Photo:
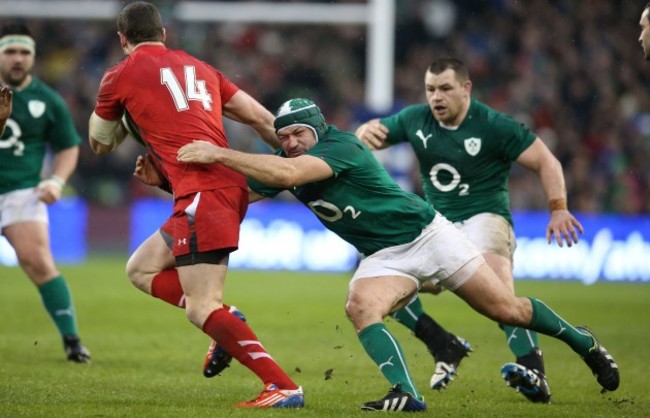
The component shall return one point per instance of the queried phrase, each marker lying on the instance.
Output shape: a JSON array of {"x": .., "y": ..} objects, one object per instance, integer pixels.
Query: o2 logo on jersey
[
  {"x": 334, "y": 213},
  {"x": 455, "y": 179},
  {"x": 194, "y": 89},
  {"x": 14, "y": 139}
]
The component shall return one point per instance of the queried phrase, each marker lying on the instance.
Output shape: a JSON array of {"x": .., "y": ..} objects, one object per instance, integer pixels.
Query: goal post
[{"x": 378, "y": 16}]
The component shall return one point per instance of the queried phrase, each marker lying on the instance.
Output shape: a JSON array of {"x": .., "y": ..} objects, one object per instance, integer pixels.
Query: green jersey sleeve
[
  {"x": 341, "y": 152},
  {"x": 399, "y": 125},
  {"x": 515, "y": 136}
]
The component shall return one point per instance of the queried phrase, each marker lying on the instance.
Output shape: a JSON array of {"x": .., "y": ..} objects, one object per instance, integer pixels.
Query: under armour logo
[
  {"x": 424, "y": 139},
  {"x": 182, "y": 241}
]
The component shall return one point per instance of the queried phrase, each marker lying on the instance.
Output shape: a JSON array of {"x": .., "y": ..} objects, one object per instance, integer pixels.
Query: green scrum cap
[{"x": 300, "y": 112}]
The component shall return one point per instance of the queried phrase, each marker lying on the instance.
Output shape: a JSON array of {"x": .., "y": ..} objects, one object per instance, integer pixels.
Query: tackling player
[{"x": 405, "y": 243}]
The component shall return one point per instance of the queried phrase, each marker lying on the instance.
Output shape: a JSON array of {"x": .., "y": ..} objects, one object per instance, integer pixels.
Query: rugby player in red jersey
[{"x": 174, "y": 98}]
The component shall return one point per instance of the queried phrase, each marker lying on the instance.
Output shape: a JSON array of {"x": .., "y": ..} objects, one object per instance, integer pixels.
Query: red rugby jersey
[{"x": 174, "y": 98}]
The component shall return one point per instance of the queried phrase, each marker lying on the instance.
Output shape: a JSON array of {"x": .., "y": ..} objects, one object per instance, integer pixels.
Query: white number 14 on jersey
[{"x": 194, "y": 89}]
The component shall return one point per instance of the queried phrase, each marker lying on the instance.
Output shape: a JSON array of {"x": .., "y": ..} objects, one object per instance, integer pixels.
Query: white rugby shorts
[
  {"x": 491, "y": 233},
  {"x": 441, "y": 253},
  {"x": 21, "y": 206}
]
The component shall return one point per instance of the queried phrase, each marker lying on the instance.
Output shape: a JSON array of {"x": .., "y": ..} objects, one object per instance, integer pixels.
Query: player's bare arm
[
  {"x": 373, "y": 134},
  {"x": 563, "y": 226},
  {"x": 65, "y": 162},
  {"x": 268, "y": 169},
  {"x": 244, "y": 109},
  {"x": 6, "y": 96},
  {"x": 105, "y": 135}
]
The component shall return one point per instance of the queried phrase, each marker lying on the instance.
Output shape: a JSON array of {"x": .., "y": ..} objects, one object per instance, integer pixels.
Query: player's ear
[
  {"x": 164, "y": 35},
  {"x": 468, "y": 86},
  {"x": 123, "y": 40}
]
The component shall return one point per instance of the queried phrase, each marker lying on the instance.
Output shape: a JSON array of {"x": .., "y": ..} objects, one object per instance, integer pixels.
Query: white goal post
[{"x": 377, "y": 15}]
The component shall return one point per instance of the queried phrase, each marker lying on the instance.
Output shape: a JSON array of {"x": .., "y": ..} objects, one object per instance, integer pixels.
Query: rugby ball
[{"x": 132, "y": 128}]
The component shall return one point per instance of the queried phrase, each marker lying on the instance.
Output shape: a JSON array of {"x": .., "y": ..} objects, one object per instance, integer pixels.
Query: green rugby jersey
[
  {"x": 39, "y": 117},
  {"x": 464, "y": 171},
  {"x": 361, "y": 203}
]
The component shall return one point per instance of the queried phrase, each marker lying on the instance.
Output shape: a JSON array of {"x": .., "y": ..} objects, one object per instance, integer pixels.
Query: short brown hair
[
  {"x": 441, "y": 64},
  {"x": 140, "y": 22}
]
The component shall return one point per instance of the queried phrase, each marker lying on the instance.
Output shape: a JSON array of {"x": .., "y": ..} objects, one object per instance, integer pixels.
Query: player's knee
[
  {"x": 132, "y": 271},
  {"x": 137, "y": 276},
  {"x": 512, "y": 313},
  {"x": 197, "y": 310},
  {"x": 360, "y": 305},
  {"x": 354, "y": 305},
  {"x": 38, "y": 269},
  {"x": 194, "y": 314}
]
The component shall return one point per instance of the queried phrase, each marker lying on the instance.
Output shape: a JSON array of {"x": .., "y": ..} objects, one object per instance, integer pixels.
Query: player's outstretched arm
[
  {"x": 267, "y": 169},
  {"x": 563, "y": 226}
]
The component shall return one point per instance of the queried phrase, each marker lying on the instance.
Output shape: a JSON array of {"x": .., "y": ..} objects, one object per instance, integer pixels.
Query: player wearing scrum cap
[
  {"x": 405, "y": 243},
  {"x": 39, "y": 120}
]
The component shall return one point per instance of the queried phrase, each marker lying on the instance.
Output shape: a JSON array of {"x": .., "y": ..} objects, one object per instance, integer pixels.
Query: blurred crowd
[{"x": 573, "y": 71}]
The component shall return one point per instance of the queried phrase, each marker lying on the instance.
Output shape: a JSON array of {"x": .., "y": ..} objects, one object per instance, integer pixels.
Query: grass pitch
[{"x": 147, "y": 357}]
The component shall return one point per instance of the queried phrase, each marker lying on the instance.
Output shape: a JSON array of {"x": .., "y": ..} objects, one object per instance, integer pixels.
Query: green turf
[{"x": 147, "y": 357}]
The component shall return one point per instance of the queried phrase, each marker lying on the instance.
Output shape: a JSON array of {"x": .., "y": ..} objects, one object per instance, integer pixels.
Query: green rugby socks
[
  {"x": 549, "y": 323},
  {"x": 386, "y": 352},
  {"x": 520, "y": 340},
  {"x": 409, "y": 315},
  {"x": 58, "y": 303}
]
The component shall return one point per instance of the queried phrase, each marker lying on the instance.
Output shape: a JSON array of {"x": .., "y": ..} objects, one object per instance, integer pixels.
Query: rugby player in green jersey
[
  {"x": 39, "y": 119},
  {"x": 465, "y": 150},
  {"x": 404, "y": 242}
]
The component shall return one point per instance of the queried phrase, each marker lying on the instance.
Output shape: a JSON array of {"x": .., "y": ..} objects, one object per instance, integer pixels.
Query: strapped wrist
[
  {"x": 557, "y": 204},
  {"x": 58, "y": 181}
]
